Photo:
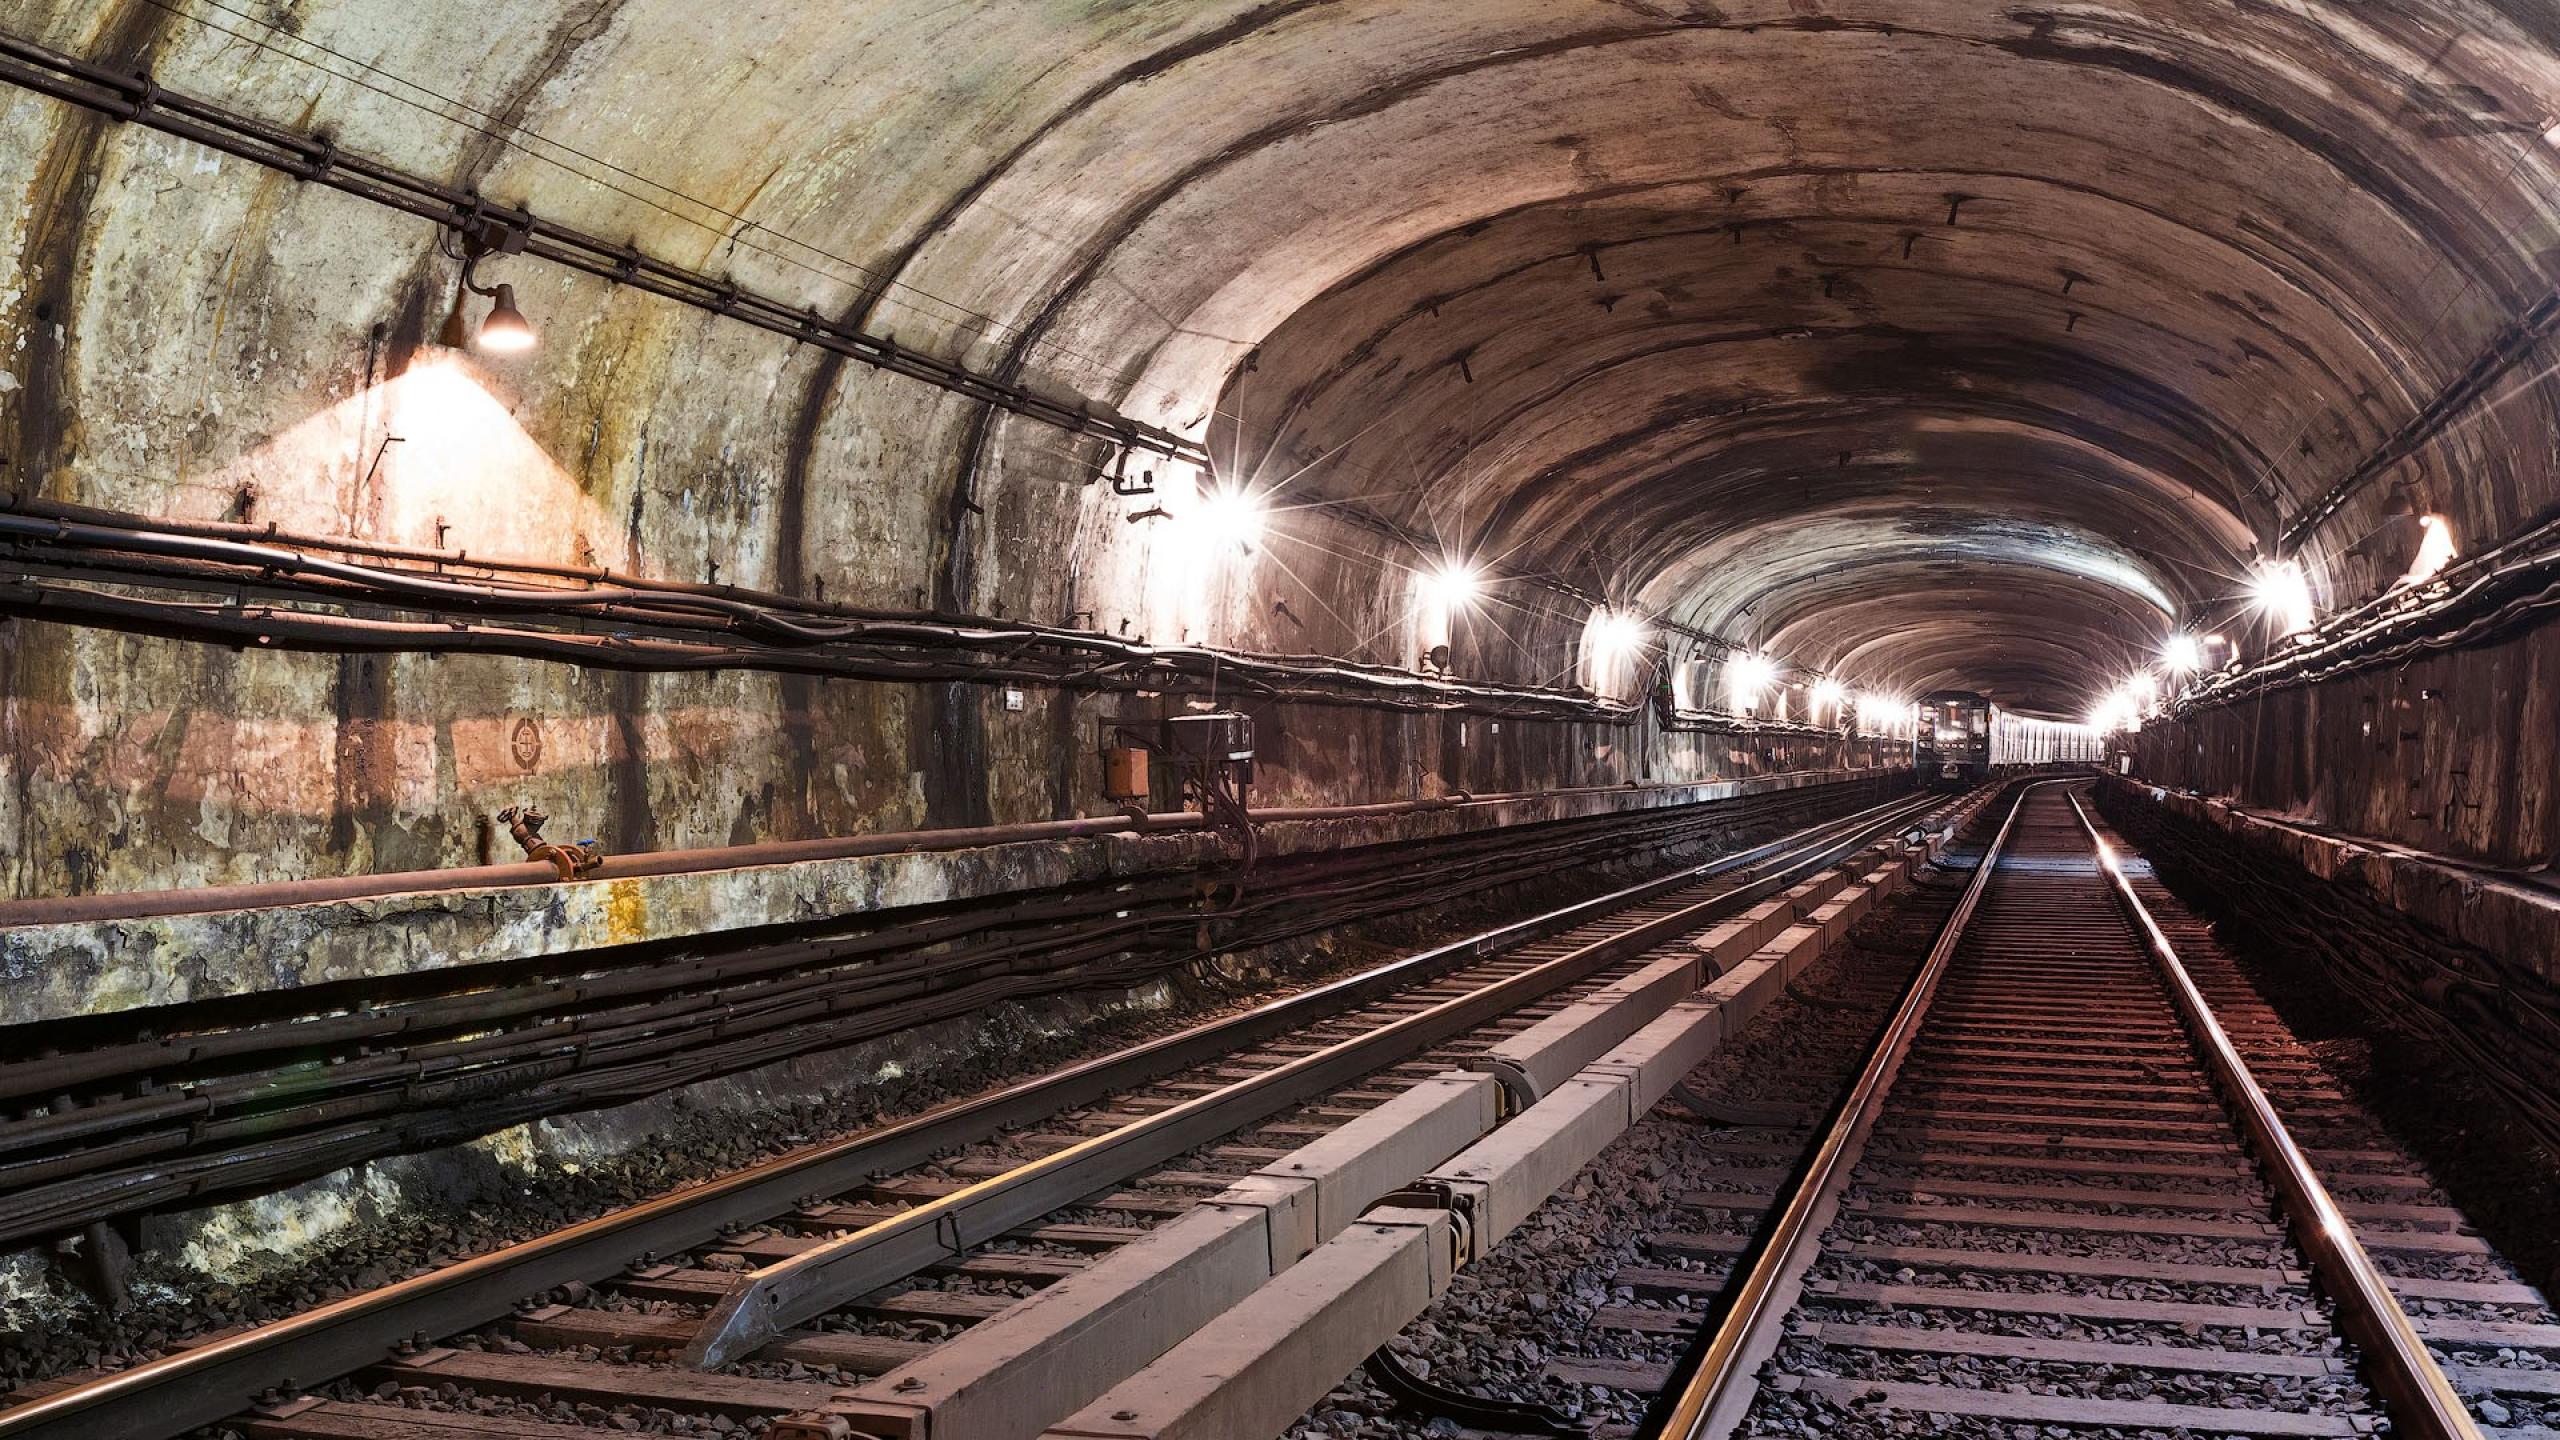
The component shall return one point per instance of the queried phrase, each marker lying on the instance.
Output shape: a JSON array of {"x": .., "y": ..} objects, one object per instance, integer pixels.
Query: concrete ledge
[
  {"x": 1814, "y": 893},
  {"x": 1550, "y": 1051},
  {"x": 2518, "y": 922},
  {"x": 1844, "y": 910},
  {"x": 1889, "y": 880},
  {"x": 1355, "y": 1166},
  {"x": 1653, "y": 1060},
  {"x": 1069, "y": 1341},
  {"x": 1271, "y": 1337},
  {"x": 1744, "y": 991},
  {"x": 99, "y": 966},
  {"x": 1072, "y": 1341},
  {"x": 1796, "y": 947},
  {"x": 1255, "y": 1369},
  {"x": 1252, "y": 1371},
  {"x": 1736, "y": 940},
  {"x": 1511, "y": 1172}
]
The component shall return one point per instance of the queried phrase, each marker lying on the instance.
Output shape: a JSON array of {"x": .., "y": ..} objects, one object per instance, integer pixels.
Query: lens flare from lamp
[
  {"x": 1879, "y": 712},
  {"x": 2283, "y": 591},
  {"x": 1617, "y": 633},
  {"x": 1746, "y": 676},
  {"x": 2182, "y": 654},
  {"x": 1827, "y": 697},
  {"x": 1225, "y": 515},
  {"x": 1454, "y": 585},
  {"x": 2142, "y": 690},
  {"x": 506, "y": 331}
]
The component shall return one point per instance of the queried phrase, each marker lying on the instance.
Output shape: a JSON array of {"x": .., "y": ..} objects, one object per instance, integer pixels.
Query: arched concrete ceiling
[{"x": 1935, "y": 341}]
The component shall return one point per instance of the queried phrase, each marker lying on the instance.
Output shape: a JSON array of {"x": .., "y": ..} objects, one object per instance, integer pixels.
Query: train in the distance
[
  {"x": 1959, "y": 737},
  {"x": 1951, "y": 737}
]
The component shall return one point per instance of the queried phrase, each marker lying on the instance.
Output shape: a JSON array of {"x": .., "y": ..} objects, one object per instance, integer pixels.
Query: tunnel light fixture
[
  {"x": 1747, "y": 676},
  {"x": 2142, "y": 690},
  {"x": 2124, "y": 707},
  {"x": 1226, "y": 515},
  {"x": 2283, "y": 590},
  {"x": 2435, "y": 550},
  {"x": 2182, "y": 654},
  {"x": 1828, "y": 695},
  {"x": 506, "y": 331},
  {"x": 1616, "y": 633},
  {"x": 2113, "y": 712},
  {"x": 1879, "y": 712},
  {"x": 1453, "y": 585}
]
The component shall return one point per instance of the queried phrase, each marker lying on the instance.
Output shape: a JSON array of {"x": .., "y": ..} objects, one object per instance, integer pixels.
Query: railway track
[
  {"x": 162, "y": 1108},
  {"x": 2066, "y": 1175},
  {"x": 2088, "y": 1181},
  {"x": 787, "y": 1284}
]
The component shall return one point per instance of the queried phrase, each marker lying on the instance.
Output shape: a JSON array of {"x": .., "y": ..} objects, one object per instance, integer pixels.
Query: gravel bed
[
  {"x": 2317, "y": 1340},
  {"x": 613, "y": 1419},
  {"x": 1835, "y": 1266},
  {"x": 2292, "y": 1394},
  {"x": 1919, "y": 1171}
]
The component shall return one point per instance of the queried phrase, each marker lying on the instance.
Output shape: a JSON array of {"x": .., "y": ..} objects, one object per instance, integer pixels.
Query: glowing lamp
[
  {"x": 2182, "y": 654},
  {"x": 1227, "y": 515},
  {"x": 2283, "y": 591},
  {"x": 1746, "y": 676},
  {"x": 1453, "y": 586},
  {"x": 1828, "y": 695},
  {"x": 1888, "y": 714},
  {"x": 2435, "y": 550},
  {"x": 1615, "y": 633},
  {"x": 506, "y": 331}
]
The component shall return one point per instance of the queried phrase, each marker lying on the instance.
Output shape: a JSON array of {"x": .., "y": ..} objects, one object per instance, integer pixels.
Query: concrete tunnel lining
[{"x": 1904, "y": 345}]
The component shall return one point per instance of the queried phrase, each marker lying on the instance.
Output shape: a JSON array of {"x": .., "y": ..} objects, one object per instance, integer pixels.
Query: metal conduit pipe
[
  {"x": 137, "y": 98},
  {"x": 135, "y": 905},
  {"x": 338, "y": 1014},
  {"x": 771, "y": 631}
]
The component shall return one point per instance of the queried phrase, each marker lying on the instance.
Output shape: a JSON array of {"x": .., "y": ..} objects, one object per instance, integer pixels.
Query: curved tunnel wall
[{"x": 1931, "y": 343}]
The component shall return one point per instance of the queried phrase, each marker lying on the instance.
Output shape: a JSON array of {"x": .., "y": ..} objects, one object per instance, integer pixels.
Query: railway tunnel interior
[{"x": 875, "y": 470}]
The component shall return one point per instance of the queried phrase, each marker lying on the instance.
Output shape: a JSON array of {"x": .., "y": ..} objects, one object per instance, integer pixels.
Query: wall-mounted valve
[{"x": 574, "y": 862}]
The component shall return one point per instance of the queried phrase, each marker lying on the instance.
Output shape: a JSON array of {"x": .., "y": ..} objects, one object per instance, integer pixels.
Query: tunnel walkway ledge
[
  {"x": 1290, "y": 1277},
  {"x": 89, "y": 967},
  {"x": 2513, "y": 919},
  {"x": 1266, "y": 1358}
]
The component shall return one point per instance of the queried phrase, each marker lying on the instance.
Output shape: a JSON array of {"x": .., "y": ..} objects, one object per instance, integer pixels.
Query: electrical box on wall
[
  {"x": 1124, "y": 773},
  {"x": 1220, "y": 739}
]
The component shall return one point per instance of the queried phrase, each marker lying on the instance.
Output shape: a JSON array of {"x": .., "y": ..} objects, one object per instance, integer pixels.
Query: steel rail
[
  {"x": 769, "y": 1300},
  {"x": 182, "y": 1391},
  {"x": 1723, "y": 1381},
  {"x": 1717, "y": 1393},
  {"x": 2420, "y": 1400}
]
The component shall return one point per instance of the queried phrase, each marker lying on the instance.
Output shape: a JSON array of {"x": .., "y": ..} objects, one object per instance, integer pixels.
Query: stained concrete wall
[
  {"x": 1622, "y": 292},
  {"x": 94, "y": 967},
  {"x": 197, "y": 338},
  {"x": 2451, "y": 754}
]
